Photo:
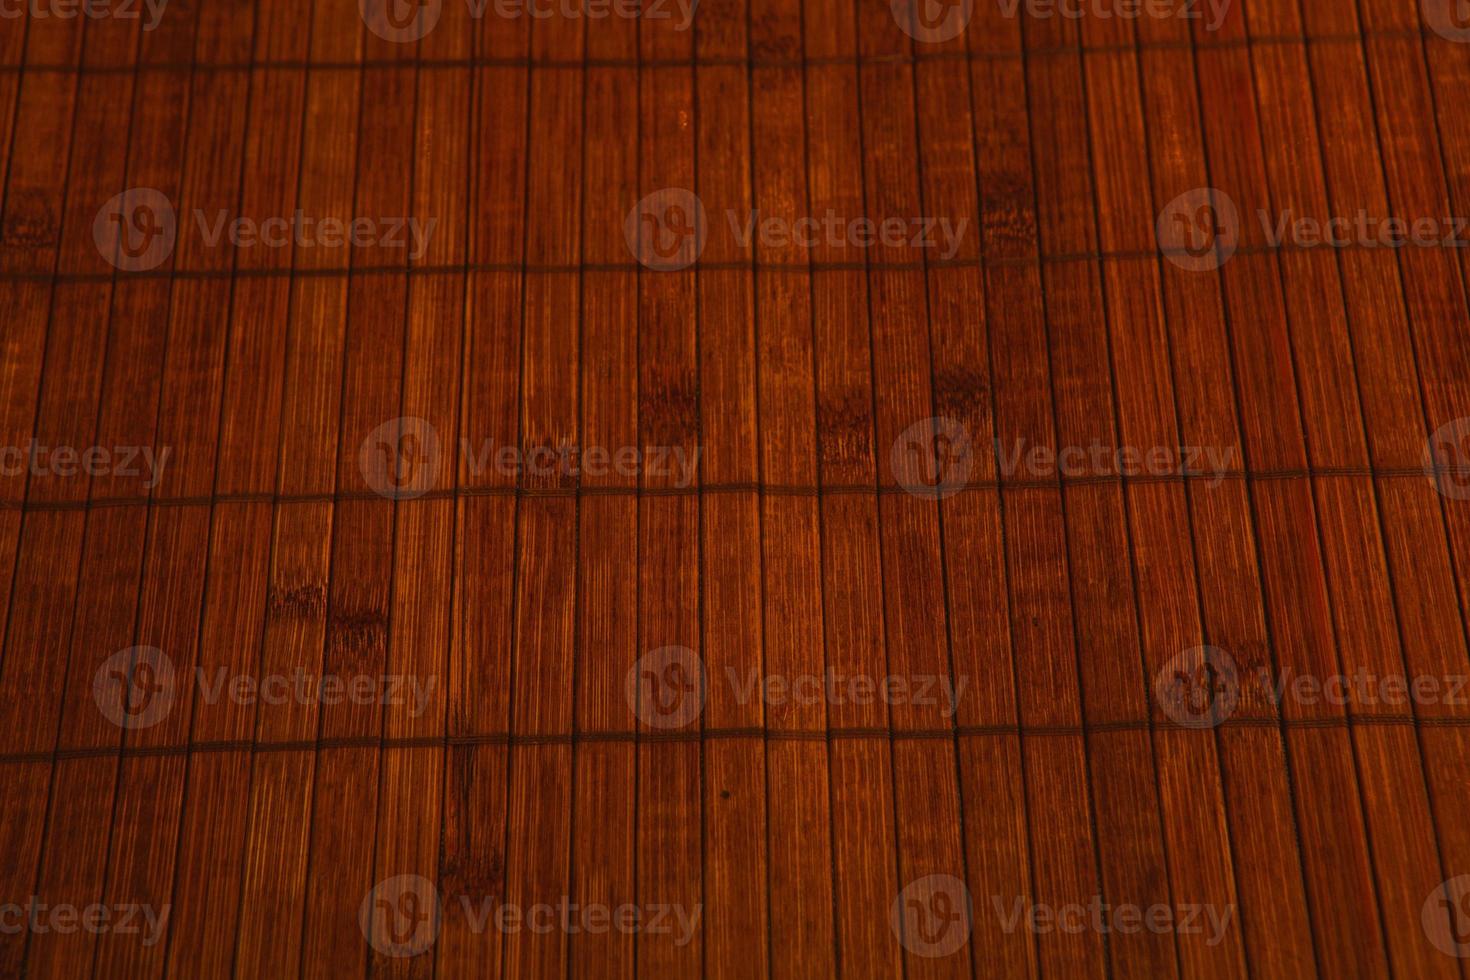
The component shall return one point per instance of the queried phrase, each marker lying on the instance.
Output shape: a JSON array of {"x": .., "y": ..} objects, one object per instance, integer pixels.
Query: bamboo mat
[{"x": 781, "y": 489}]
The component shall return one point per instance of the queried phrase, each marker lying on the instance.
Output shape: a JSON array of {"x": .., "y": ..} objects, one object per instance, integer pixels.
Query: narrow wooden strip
[
  {"x": 1223, "y": 566},
  {"x": 736, "y": 833},
  {"x": 670, "y": 776},
  {"x": 911, "y": 530},
  {"x": 799, "y": 845}
]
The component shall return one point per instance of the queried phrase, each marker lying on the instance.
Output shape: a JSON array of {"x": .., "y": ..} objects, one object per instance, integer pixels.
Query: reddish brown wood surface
[{"x": 527, "y": 599}]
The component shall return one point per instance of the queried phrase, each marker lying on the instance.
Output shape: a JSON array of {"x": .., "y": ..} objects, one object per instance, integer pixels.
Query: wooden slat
[
  {"x": 797, "y": 791},
  {"x": 538, "y": 823},
  {"x": 670, "y": 814},
  {"x": 864, "y": 836},
  {"x": 735, "y": 773},
  {"x": 605, "y": 782}
]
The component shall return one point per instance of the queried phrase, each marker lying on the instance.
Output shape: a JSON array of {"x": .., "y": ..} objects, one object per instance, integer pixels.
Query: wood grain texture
[{"x": 975, "y": 531}]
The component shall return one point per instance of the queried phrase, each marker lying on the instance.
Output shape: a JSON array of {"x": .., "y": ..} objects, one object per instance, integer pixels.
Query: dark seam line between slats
[
  {"x": 298, "y": 64},
  {"x": 754, "y": 733},
  {"x": 780, "y": 490},
  {"x": 804, "y": 268}
]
